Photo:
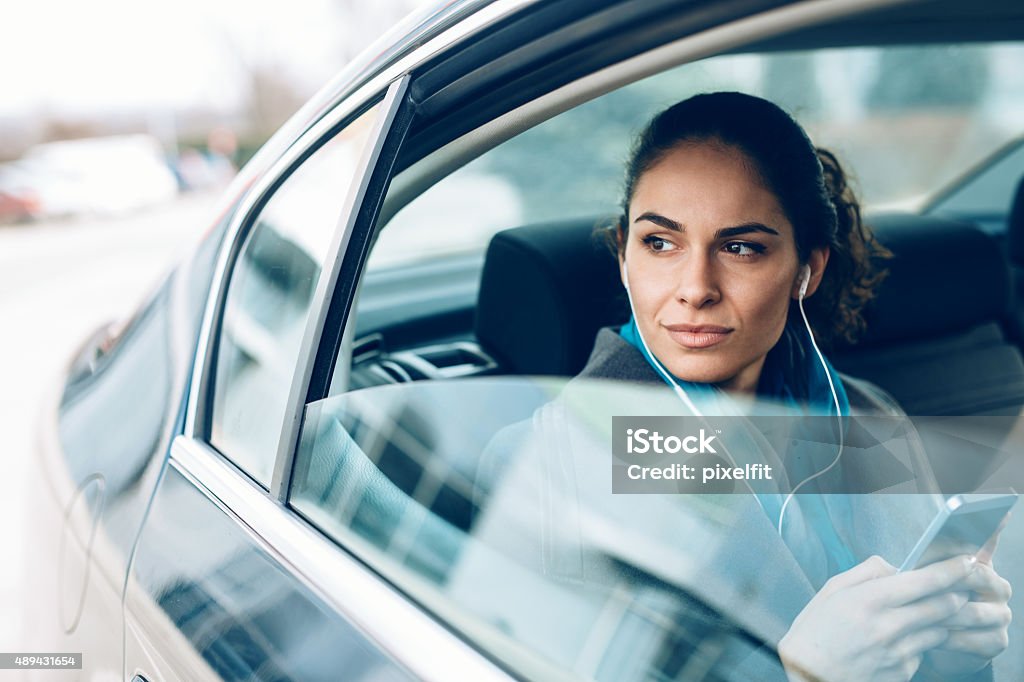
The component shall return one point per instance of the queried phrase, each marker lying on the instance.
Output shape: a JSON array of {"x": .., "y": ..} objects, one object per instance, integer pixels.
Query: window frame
[{"x": 421, "y": 645}]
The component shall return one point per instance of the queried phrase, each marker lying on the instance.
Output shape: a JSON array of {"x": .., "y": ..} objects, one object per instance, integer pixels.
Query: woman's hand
[
  {"x": 980, "y": 631},
  {"x": 872, "y": 623}
]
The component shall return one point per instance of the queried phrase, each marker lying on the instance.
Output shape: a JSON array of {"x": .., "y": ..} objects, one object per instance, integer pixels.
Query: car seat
[{"x": 934, "y": 336}]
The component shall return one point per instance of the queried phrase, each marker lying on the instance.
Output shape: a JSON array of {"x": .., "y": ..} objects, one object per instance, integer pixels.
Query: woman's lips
[{"x": 697, "y": 336}]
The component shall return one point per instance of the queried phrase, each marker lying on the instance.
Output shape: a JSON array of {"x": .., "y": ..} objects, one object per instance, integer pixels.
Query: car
[
  {"x": 101, "y": 176},
  {"x": 283, "y": 466},
  {"x": 18, "y": 201}
]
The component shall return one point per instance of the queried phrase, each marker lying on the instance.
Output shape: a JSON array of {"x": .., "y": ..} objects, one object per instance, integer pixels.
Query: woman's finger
[
  {"x": 869, "y": 569},
  {"x": 980, "y": 616},
  {"x": 922, "y": 614},
  {"x": 988, "y": 584},
  {"x": 982, "y": 643},
  {"x": 904, "y": 588},
  {"x": 920, "y": 641}
]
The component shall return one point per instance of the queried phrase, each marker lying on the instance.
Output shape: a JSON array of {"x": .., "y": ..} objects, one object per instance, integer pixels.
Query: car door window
[
  {"x": 898, "y": 143},
  {"x": 269, "y": 297}
]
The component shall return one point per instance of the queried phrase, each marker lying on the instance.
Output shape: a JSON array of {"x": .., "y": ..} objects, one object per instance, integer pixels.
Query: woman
[{"x": 731, "y": 218}]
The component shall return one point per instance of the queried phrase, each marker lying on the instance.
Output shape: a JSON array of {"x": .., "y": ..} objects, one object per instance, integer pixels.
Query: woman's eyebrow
[
  {"x": 724, "y": 232},
  {"x": 661, "y": 220},
  {"x": 745, "y": 228}
]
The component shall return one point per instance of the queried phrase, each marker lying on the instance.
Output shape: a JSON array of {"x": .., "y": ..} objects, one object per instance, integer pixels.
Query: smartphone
[{"x": 963, "y": 526}]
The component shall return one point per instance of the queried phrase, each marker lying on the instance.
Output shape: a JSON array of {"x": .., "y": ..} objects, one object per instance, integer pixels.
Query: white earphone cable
[{"x": 835, "y": 398}]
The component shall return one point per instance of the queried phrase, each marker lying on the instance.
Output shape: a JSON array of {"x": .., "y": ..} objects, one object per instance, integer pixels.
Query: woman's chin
[{"x": 700, "y": 374}]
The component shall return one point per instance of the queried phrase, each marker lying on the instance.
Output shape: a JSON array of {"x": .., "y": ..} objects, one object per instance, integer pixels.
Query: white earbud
[
  {"x": 625, "y": 275},
  {"x": 805, "y": 280}
]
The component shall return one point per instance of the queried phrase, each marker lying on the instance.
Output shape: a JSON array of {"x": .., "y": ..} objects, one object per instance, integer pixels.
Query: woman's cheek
[
  {"x": 652, "y": 294},
  {"x": 764, "y": 305}
]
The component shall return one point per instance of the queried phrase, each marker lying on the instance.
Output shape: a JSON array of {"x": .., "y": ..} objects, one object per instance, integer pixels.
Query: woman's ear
[{"x": 817, "y": 262}]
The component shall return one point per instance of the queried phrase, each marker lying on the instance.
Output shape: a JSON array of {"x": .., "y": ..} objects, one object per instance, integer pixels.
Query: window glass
[
  {"x": 452, "y": 492},
  {"x": 269, "y": 297},
  {"x": 987, "y": 197},
  {"x": 513, "y": 509}
]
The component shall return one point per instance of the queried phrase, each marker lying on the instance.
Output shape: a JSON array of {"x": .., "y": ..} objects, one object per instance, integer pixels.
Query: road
[{"x": 58, "y": 282}]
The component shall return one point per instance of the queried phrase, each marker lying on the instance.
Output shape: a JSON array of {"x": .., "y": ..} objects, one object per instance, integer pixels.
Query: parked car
[
  {"x": 283, "y": 466},
  {"x": 101, "y": 176},
  {"x": 18, "y": 200}
]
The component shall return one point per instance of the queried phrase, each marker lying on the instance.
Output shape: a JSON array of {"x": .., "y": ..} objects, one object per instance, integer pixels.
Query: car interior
[
  {"x": 941, "y": 339},
  {"x": 938, "y": 340}
]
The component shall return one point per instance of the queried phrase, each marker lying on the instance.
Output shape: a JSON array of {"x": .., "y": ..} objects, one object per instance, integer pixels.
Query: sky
[{"x": 72, "y": 58}]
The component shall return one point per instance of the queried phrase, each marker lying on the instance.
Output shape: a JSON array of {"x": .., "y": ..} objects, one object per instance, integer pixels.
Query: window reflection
[{"x": 269, "y": 298}]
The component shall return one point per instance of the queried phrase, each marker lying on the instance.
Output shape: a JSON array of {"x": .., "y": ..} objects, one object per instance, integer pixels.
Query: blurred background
[{"x": 120, "y": 122}]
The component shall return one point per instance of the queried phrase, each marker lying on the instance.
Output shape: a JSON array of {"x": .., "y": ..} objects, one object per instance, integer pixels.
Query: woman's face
[{"x": 712, "y": 265}]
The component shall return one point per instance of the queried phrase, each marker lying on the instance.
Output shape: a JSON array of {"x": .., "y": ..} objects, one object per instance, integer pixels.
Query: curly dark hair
[{"x": 808, "y": 182}]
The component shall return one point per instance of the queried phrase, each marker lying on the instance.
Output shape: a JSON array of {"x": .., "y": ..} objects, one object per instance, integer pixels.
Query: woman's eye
[
  {"x": 744, "y": 249},
  {"x": 657, "y": 244}
]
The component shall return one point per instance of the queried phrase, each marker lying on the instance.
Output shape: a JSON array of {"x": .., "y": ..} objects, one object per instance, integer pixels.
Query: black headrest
[
  {"x": 945, "y": 276},
  {"x": 545, "y": 291},
  {"x": 1015, "y": 226}
]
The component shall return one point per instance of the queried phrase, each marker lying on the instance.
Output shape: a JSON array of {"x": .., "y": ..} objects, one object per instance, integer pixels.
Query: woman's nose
[{"x": 696, "y": 284}]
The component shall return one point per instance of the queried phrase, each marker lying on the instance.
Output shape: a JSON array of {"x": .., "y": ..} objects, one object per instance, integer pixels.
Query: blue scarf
[{"x": 794, "y": 382}]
